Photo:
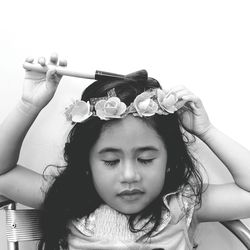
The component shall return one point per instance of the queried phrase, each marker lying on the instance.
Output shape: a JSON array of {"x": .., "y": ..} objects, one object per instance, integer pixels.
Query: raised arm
[
  {"x": 225, "y": 201},
  {"x": 18, "y": 183},
  {"x": 234, "y": 156}
]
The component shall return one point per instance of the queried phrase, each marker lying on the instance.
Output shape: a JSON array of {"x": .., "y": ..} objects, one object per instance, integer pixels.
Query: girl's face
[{"x": 128, "y": 164}]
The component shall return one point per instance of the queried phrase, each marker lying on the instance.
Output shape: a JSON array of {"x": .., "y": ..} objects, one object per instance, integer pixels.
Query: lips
[
  {"x": 131, "y": 195},
  {"x": 131, "y": 192}
]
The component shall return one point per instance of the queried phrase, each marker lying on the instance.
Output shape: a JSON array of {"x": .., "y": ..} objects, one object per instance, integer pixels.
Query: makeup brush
[{"x": 97, "y": 75}]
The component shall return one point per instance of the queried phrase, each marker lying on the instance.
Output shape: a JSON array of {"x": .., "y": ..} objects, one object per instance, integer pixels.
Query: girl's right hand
[{"x": 39, "y": 88}]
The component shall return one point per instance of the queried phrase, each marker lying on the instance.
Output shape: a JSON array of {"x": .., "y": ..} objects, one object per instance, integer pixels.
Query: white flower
[
  {"x": 167, "y": 100},
  {"x": 111, "y": 108},
  {"x": 79, "y": 111},
  {"x": 148, "y": 103},
  {"x": 144, "y": 105}
]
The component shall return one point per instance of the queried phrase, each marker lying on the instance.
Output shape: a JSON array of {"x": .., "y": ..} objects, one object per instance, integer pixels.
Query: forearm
[
  {"x": 234, "y": 156},
  {"x": 12, "y": 132}
]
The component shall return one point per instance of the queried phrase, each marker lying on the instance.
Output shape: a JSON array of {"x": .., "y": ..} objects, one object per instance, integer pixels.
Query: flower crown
[{"x": 150, "y": 102}]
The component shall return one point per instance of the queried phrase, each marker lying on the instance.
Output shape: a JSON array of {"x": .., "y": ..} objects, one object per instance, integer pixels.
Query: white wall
[{"x": 201, "y": 44}]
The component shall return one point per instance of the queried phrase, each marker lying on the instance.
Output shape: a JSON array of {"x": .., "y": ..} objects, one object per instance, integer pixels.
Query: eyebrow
[{"x": 137, "y": 150}]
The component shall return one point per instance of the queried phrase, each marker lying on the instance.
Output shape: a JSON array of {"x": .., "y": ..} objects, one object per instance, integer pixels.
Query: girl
[{"x": 129, "y": 180}]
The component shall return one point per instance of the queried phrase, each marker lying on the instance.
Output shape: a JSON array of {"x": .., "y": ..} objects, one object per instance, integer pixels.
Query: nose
[{"x": 129, "y": 173}]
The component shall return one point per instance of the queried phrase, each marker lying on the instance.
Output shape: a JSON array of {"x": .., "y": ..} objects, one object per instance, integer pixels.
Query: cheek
[
  {"x": 102, "y": 179},
  {"x": 156, "y": 177}
]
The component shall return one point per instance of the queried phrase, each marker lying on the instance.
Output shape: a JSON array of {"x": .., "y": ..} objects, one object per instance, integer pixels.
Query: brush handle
[
  {"x": 98, "y": 75},
  {"x": 59, "y": 70}
]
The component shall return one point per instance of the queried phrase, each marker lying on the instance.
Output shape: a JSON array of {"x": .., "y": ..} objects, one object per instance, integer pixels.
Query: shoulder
[{"x": 181, "y": 204}]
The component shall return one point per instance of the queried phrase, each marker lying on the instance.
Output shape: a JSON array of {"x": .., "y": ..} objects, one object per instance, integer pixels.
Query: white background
[{"x": 201, "y": 44}]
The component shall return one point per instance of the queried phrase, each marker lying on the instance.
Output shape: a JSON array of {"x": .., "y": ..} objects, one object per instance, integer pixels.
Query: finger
[
  {"x": 52, "y": 75},
  {"x": 42, "y": 61},
  {"x": 29, "y": 59},
  {"x": 192, "y": 105},
  {"x": 180, "y": 104},
  {"x": 53, "y": 58},
  {"x": 184, "y": 109},
  {"x": 183, "y": 92},
  {"x": 191, "y": 98},
  {"x": 177, "y": 88},
  {"x": 63, "y": 63},
  {"x": 180, "y": 91},
  {"x": 194, "y": 99}
]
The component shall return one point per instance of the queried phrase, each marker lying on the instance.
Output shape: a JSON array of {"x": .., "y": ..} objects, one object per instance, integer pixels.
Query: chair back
[
  {"x": 21, "y": 224},
  {"x": 24, "y": 225}
]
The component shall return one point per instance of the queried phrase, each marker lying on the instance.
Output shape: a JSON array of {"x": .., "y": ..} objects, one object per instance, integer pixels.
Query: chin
[{"x": 130, "y": 209}]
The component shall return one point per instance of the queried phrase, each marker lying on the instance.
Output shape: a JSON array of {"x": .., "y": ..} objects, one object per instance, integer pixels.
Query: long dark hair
[{"x": 72, "y": 194}]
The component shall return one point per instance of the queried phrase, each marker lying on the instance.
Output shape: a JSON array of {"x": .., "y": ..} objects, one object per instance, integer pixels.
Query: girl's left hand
[{"x": 192, "y": 115}]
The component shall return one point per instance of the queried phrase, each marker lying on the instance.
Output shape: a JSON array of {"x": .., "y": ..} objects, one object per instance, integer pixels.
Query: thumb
[{"x": 53, "y": 77}]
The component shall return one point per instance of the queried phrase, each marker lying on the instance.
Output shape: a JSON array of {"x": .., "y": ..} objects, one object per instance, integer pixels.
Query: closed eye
[
  {"x": 145, "y": 161},
  {"x": 111, "y": 163}
]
